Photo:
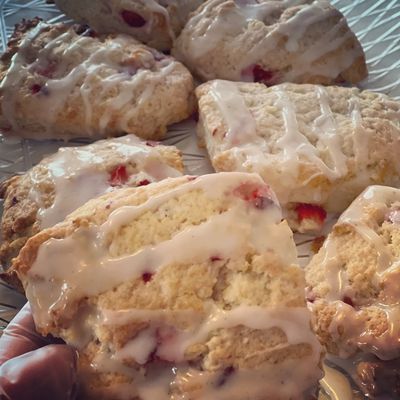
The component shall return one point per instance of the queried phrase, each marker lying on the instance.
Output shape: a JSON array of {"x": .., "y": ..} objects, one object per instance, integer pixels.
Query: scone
[
  {"x": 271, "y": 42},
  {"x": 61, "y": 183},
  {"x": 183, "y": 289},
  {"x": 58, "y": 81},
  {"x": 318, "y": 147},
  {"x": 154, "y": 22},
  {"x": 353, "y": 282}
]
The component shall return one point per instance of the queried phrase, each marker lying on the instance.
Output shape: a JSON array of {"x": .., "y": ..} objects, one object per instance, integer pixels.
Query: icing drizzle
[
  {"x": 78, "y": 174},
  {"x": 88, "y": 71},
  {"x": 349, "y": 323},
  {"x": 85, "y": 268},
  {"x": 219, "y": 19}
]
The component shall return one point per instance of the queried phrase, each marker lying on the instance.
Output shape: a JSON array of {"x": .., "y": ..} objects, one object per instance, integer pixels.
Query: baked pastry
[
  {"x": 62, "y": 182},
  {"x": 59, "y": 81},
  {"x": 271, "y": 42},
  {"x": 154, "y": 22},
  {"x": 189, "y": 289},
  {"x": 353, "y": 281},
  {"x": 318, "y": 147}
]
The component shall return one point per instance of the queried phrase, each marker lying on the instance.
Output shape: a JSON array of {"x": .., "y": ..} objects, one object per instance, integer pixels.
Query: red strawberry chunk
[
  {"x": 36, "y": 88},
  {"x": 258, "y": 196},
  {"x": 310, "y": 211},
  {"x": 133, "y": 19},
  {"x": 147, "y": 276},
  {"x": 348, "y": 300},
  {"x": 118, "y": 176},
  {"x": 262, "y": 75},
  {"x": 144, "y": 182}
]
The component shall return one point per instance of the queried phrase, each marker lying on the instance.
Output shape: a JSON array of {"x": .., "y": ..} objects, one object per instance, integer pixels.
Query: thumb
[{"x": 47, "y": 373}]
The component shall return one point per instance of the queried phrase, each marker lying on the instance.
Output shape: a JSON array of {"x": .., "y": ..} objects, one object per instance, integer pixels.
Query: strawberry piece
[
  {"x": 36, "y": 88},
  {"x": 258, "y": 196},
  {"x": 133, "y": 19},
  {"x": 147, "y": 277},
  {"x": 144, "y": 182},
  {"x": 215, "y": 258},
  {"x": 310, "y": 211},
  {"x": 118, "y": 176},
  {"x": 348, "y": 300},
  {"x": 262, "y": 75}
]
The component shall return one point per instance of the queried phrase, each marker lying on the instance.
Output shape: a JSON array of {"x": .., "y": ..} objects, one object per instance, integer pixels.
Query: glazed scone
[
  {"x": 189, "y": 289},
  {"x": 154, "y": 22},
  {"x": 271, "y": 42},
  {"x": 62, "y": 182},
  {"x": 318, "y": 147},
  {"x": 353, "y": 281},
  {"x": 58, "y": 81}
]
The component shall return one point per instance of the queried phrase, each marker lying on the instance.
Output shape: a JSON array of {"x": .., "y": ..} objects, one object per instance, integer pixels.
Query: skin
[{"x": 33, "y": 367}]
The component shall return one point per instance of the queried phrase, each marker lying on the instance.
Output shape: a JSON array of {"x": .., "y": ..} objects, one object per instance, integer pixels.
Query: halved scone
[{"x": 185, "y": 288}]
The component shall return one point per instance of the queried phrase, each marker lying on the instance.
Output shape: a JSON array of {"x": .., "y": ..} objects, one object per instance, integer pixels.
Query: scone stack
[{"x": 178, "y": 287}]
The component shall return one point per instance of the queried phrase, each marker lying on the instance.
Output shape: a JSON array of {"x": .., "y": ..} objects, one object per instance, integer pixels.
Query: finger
[
  {"x": 47, "y": 373},
  {"x": 20, "y": 336}
]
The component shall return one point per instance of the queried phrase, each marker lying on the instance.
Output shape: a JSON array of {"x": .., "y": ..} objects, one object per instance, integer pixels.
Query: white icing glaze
[
  {"x": 335, "y": 276},
  {"x": 241, "y": 124},
  {"x": 294, "y": 144},
  {"x": 78, "y": 174},
  {"x": 220, "y": 19},
  {"x": 290, "y": 379},
  {"x": 360, "y": 135},
  {"x": 291, "y": 320},
  {"x": 102, "y": 69},
  {"x": 349, "y": 325},
  {"x": 244, "y": 384},
  {"x": 86, "y": 248}
]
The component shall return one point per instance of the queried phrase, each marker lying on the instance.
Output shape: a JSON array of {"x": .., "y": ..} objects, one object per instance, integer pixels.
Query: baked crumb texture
[
  {"x": 62, "y": 182},
  {"x": 271, "y": 42},
  {"x": 318, "y": 147},
  {"x": 58, "y": 81},
  {"x": 153, "y": 22},
  {"x": 353, "y": 281},
  {"x": 182, "y": 289}
]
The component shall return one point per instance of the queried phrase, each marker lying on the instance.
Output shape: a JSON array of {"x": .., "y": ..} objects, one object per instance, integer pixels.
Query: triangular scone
[
  {"x": 62, "y": 81},
  {"x": 64, "y": 181},
  {"x": 185, "y": 288},
  {"x": 153, "y": 22},
  {"x": 271, "y": 42},
  {"x": 354, "y": 280},
  {"x": 318, "y": 147}
]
